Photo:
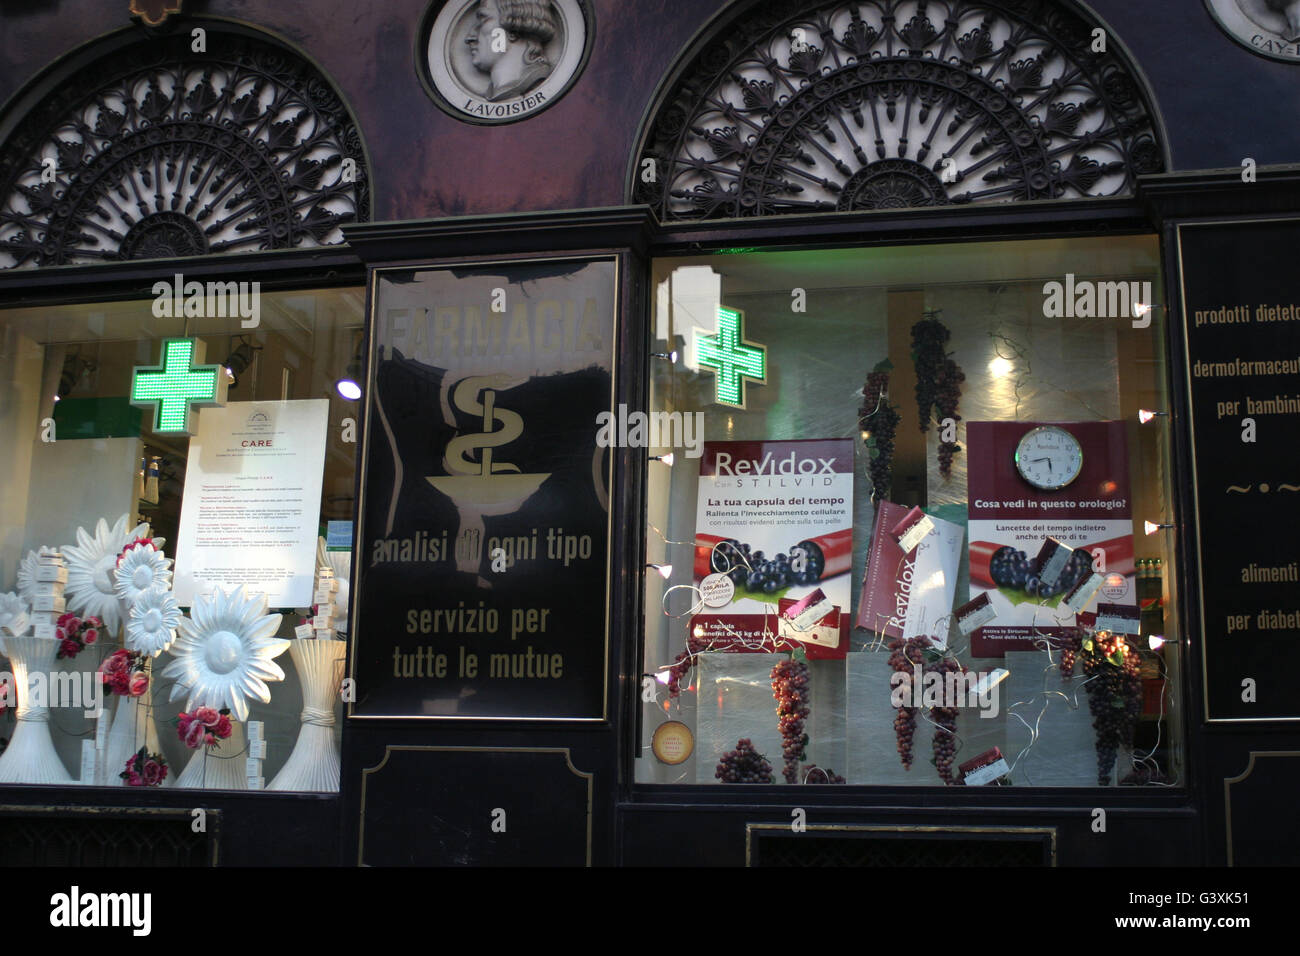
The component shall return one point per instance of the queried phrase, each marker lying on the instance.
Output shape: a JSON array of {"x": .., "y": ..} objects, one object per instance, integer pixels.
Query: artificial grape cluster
[
  {"x": 945, "y": 719},
  {"x": 903, "y": 655},
  {"x": 1114, "y": 696},
  {"x": 1069, "y": 646},
  {"x": 1142, "y": 776},
  {"x": 929, "y": 352},
  {"x": 755, "y": 572},
  {"x": 879, "y": 420},
  {"x": 815, "y": 774},
  {"x": 938, "y": 382},
  {"x": 1010, "y": 568},
  {"x": 744, "y": 765},
  {"x": 790, "y": 689},
  {"x": 683, "y": 663},
  {"x": 947, "y": 398}
]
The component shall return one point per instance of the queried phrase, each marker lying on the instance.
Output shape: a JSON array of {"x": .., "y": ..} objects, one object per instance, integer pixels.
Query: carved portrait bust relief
[{"x": 497, "y": 61}]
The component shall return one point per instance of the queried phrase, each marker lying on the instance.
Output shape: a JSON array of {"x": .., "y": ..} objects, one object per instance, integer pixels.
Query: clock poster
[{"x": 1044, "y": 554}]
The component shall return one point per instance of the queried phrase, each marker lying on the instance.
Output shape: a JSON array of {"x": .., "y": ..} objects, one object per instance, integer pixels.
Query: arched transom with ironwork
[
  {"x": 155, "y": 151},
  {"x": 878, "y": 104}
]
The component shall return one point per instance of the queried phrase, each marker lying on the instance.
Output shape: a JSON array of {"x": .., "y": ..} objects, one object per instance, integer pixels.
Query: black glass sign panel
[
  {"x": 483, "y": 549},
  {"x": 1242, "y": 313}
]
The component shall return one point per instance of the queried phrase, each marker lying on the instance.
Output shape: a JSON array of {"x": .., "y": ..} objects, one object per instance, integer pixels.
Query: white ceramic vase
[
  {"x": 223, "y": 768},
  {"x": 30, "y": 756},
  {"x": 132, "y": 727},
  {"x": 314, "y": 763}
]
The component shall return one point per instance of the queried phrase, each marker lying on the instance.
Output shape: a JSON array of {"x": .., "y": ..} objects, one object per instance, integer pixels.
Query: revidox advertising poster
[
  {"x": 1051, "y": 529},
  {"x": 483, "y": 552},
  {"x": 774, "y": 545}
]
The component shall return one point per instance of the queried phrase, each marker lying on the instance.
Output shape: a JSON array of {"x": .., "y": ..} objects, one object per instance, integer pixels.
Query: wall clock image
[{"x": 1049, "y": 457}]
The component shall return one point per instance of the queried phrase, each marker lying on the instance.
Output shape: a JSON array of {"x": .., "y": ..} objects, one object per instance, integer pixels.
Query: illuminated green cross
[
  {"x": 734, "y": 358},
  {"x": 179, "y": 383}
]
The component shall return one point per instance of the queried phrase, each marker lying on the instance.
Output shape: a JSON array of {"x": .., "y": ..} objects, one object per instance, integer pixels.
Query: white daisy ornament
[
  {"x": 141, "y": 568},
  {"x": 92, "y": 562},
  {"x": 13, "y": 617},
  {"x": 27, "y": 577},
  {"x": 223, "y": 654},
  {"x": 152, "y": 622}
]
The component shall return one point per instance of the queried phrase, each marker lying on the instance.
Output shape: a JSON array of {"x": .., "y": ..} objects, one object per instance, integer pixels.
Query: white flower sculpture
[
  {"x": 11, "y": 607},
  {"x": 91, "y": 563},
  {"x": 152, "y": 621},
  {"x": 141, "y": 568},
  {"x": 224, "y": 653},
  {"x": 27, "y": 577}
]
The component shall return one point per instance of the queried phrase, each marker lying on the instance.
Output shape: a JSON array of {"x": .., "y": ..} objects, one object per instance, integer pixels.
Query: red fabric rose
[
  {"x": 208, "y": 716},
  {"x": 153, "y": 773},
  {"x": 194, "y": 734},
  {"x": 138, "y": 684},
  {"x": 222, "y": 729},
  {"x": 94, "y": 622},
  {"x": 121, "y": 683},
  {"x": 69, "y": 648},
  {"x": 64, "y": 619},
  {"x": 182, "y": 725},
  {"x": 210, "y": 740},
  {"x": 115, "y": 663},
  {"x": 90, "y": 636}
]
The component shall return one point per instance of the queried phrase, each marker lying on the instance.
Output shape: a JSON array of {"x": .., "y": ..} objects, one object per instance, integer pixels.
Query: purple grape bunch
[
  {"x": 790, "y": 690},
  {"x": 879, "y": 420},
  {"x": 754, "y": 571},
  {"x": 1114, "y": 697},
  {"x": 744, "y": 765},
  {"x": 903, "y": 655}
]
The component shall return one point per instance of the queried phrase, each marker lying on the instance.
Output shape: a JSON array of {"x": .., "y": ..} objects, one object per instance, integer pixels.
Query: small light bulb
[
  {"x": 665, "y": 571},
  {"x": 666, "y": 459},
  {"x": 1155, "y": 642}
]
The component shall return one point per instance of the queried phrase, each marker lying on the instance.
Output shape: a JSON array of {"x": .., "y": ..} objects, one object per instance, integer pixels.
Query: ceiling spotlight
[
  {"x": 237, "y": 361},
  {"x": 349, "y": 386},
  {"x": 1155, "y": 642},
  {"x": 1146, "y": 415},
  {"x": 1150, "y": 527},
  {"x": 668, "y": 356},
  {"x": 664, "y": 569},
  {"x": 666, "y": 459},
  {"x": 68, "y": 377}
]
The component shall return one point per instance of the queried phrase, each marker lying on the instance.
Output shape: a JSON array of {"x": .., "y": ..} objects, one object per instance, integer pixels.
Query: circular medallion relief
[
  {"x": 1268, "y": 27},
  {"x": 498, "y": 61}
]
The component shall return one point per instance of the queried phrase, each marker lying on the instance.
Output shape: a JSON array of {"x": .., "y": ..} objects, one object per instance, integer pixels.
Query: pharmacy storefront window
[
  {"x": 899, "y": 503},
  {"x": 176, "y": 506}
]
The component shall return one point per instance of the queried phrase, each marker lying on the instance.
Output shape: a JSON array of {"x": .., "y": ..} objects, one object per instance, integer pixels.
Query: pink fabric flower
[
  {"x": 138, "y": 684},
  {"x": 90, "y": 636},
  {"x": 153, "y": 773},
  {"x": 210, "y": 740},
  {"x": 70, "y": 648},
  {"x": 183, "y": 725},
  {"x": 208, "y": 716},
  {"x": 222, "y": 729},
  {"x": 94, "y": 622},
  {"x": 194, "y": 734},
  {"x": 65, "y": 619},
  {"x": 121, "y": 683}
]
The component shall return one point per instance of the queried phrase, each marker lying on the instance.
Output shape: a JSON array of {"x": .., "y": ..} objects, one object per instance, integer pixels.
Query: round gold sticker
[{"x": 672, "y": 743}]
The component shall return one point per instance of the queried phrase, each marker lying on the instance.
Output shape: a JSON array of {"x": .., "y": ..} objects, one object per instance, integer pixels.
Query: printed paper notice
[{"x": 251, "y": 511}]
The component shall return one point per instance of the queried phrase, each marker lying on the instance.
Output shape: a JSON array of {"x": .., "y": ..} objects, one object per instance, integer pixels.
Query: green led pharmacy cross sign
[
  {"x": 731, "y": 356},
  {"x": 180, "y": 383}
]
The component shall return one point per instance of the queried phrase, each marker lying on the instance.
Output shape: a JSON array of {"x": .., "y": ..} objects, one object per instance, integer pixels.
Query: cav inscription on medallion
[
  {"x": 498, "y": 61},
  {"x": 1268, "y": 27}
]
